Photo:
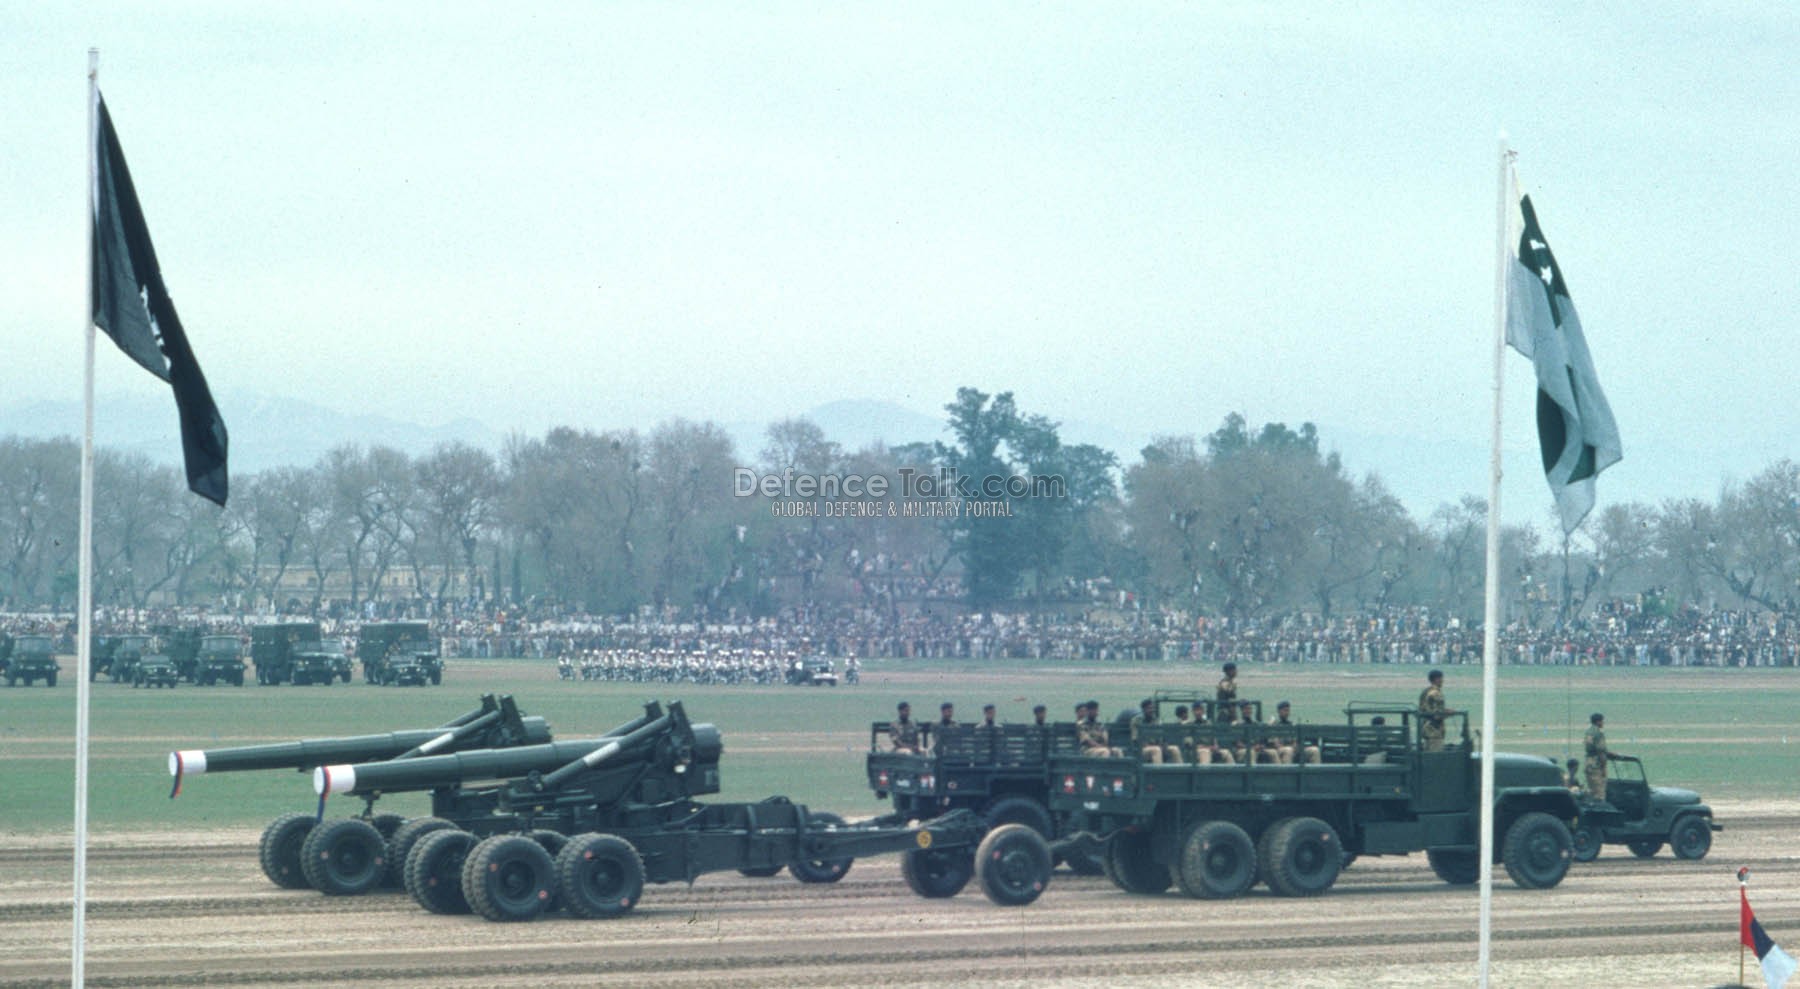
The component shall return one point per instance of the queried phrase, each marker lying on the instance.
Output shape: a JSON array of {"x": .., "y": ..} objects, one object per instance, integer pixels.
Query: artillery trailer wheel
[
  {"x": 1584, "y": 843},
  {"x": 1691, "y": 838},
  {"x": 1013, "y": 865},
  {"x": 387, "y": 824},
  {"x": 821, "y": 870},
  {"x": 1457, "y": 868},
  {"x": 1018, "y": 810},
  {"x": 552, "y": 842},
  {"x": 1302, "y": 857},
  {"x": 599, "y": 875},
  {"x": 434, "y": 870},
  {"x": 279, "y": 850},
  {"x": 344, "y": 857},
  {"x": 937, "y": 873},
  {"x": 1133, "y": 870},
  {"x": 400, "y": 844},
  {"x": 1218, "y": 861},
  {"x": 761, "y": 871},
  {"x": 509, "y": 877},
  {"x": 1536, "y": 851},
  {"x": 1644, "y": 847}
]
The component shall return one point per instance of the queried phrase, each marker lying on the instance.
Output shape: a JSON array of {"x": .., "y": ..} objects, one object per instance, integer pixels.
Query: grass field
[{"x": 1725, "y": 733}]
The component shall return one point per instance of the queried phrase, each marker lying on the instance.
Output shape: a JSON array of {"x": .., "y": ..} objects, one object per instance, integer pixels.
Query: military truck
[
  {"x": 399, "y": 654},
  {"x": 1216, "y": 830},
  {"x": 1642, "y": 817},
  {"x": 33, "y": 658},
  {"x": 117, "y": 656},
  {"x": 219, "y": 659},
  {"x": 321, "y": 662},
  {"x": 813, "y": 671},
  {"x": 155, "y": 670},
  {"x": 272, "y": 649}
]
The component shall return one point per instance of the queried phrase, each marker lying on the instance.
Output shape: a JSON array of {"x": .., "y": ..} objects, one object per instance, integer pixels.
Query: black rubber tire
[
  {"x": 1457, "y": 868},
  {"x": 344, "y": 857},
  {"x": 1584, "y": 843},
  {"x": 1132, "y": 868},
  {"x": 1691, "y": 838},
  {"x": 937, "y": 873},
  {"x": 434, "y": 870},
  {"x": 1013, "y": 864},
  {"x": 762, "y": 871},
  {"x": 821, "y": 870},
  {"x": 1302, "y": 857},
  {"x": 1218, "y": 861},
  {"x": 387, "y": 824},
  {"x": 509, "y": 878},
  {"x": 279, "y": 850},
  {"x": 1019, "y": 810},
  {"x": 552, "y": 842},
  {"x": 1644, "y": 847},
  {"x": 599, "y": 876},
  {"x": 1537, "y": 851},
  {"x": 401, "y": 842}
]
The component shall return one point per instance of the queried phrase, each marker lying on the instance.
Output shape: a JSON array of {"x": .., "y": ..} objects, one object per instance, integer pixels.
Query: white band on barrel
[
  {"x": 187, "y": 762},
  {"x": 334, "y": 779},
  {"x": 603, "y": 752},
  {"x": 437, "y": 743}
]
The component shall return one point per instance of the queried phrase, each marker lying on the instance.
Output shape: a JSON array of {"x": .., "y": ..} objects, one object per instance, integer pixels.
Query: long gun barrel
[
  {"x": 432, "y": 772},
  {"x": 493, "y": 725}
]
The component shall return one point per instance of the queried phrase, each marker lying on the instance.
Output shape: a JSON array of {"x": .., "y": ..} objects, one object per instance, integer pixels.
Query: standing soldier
[
  {"x": 1227, "y": 696},
  {"x": 1432, "y": 712},
  {"x": 904, "y": 732},
  {"x": 1593, "y": 767}
]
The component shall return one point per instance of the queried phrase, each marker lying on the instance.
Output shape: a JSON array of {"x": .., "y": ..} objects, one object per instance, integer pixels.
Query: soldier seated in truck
[
  {"x": 1150, "y": 749},
  {"x": 1284, "y": 738},
  {"x": 904, "y": 732},
  {"x": 1090, "y": 732}
]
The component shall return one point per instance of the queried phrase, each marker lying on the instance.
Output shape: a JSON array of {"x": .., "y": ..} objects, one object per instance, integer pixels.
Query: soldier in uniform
[
  {"x": 1432, "y": 712},
  {"x": 987, "y": 718},
  {"x": 1285, "y": 740},
  {"x": 1593, "y": 765},
  {"x": 1227, "y": 696},
  {"x": 1147, "y": 750},
  {"x": 1090, "y": 734},
  {"x": 946, "y": 715},
  {"x": 904, "y": 731}
]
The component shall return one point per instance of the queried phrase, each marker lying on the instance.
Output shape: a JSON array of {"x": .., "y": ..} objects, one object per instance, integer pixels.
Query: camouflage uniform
[
  {"x": 1593, "y": 766},
  {"x": 1431, "y": 717}
]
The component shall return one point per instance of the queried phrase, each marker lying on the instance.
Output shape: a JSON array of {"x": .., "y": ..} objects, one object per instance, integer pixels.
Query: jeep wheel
[
  {"x": 1131, "y": 867},
  {"x": 1013, "y": 865},
  {"x": 1218, "y": 861},
  {"x": 1585, "y": 843},
  {"x": 935, "y": 873},
  {"x": 1536, "y": 851},
  {"x": 1691, "y": 838}
]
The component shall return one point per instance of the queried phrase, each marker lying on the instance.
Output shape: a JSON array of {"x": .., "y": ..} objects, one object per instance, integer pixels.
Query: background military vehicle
[
  {"x": 155, "y": 670},
  {"x": 321, "y": 662},
  {"x": 1218, "y": 829},
  {"x": 1642, "y": 817},
  {"x": 117, "y": 656},
  {"x": 813, "y": 671},
  {"x": 399, "y": 654},
  {"x": 219, "y": 659},
  {"x": 272, "y": 649},
  {"x": 33, "y": 658}
]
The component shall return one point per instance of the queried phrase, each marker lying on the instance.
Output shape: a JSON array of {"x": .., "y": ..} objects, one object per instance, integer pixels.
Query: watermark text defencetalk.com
[{"x": 944, "y": 483}]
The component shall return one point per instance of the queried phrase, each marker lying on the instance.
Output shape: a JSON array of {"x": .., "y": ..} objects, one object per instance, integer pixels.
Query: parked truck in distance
[
  {"x": 274, "y": 649},
  {"x": 1642, "y": 817},
  {"x": 31, "y": 658},
  {"x": 399, "y": 654},
  {"x": 1216, "y": 830}
]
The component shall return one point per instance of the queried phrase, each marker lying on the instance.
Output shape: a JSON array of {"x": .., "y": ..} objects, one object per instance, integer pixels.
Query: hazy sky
[{"x": 1139, "y": 214}]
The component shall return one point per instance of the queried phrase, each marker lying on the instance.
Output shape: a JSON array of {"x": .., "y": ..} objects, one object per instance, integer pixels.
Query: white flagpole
[
  {"x": 85, "y": 597},
  {"x": 1490, "y": 626}
]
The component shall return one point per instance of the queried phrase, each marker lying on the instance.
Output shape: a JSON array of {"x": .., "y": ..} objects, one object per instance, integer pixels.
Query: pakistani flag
[
  {"x": 1576, "y": 432},
  {"x": 131, "y": 303}
]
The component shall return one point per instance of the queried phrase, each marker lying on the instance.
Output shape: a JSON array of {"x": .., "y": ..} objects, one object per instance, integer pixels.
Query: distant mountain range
[{"x": 274, "y": 431}]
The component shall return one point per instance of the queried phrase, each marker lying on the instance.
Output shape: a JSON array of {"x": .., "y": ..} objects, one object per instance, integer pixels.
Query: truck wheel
[
  {"x": 761, "y": 871},
  {"x": 821, "y": 870},
  {"x": 1644, "y": 847},
  {"x": 1454, "y": 867},
  {"x": 1536, "y": 851},
  {"x": 1691, "y": 838},
  {"x": 279, "y": 850},
  {"x": 345, "y": 857},
  {"x": 434, "y": 870},
  {"x": 509, "y": 877},
  {"x": 1013, "y": 865},
  {"x": 1303, "y": 859},
  {"x": 400, "y": 844},
  {"x": 1218, "y": 861},
  {"x": 599, "y": 875},
  {"x": 1584, "y": 843},
  {"x": 1132, "y": 869},
  {"x": 1018, "y": 810},
  {"x": 937, "y": 873},
  {"x": 50, "y": 681}
]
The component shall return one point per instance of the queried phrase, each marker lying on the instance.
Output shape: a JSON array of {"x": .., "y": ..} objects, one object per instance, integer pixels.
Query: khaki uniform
[
  {"x": 1090, "y": 734},
  {"x": 1431, "y": 718},
  {"x": 1151, "y": 752},
  {"x": 904, "y": 735},
  {"x": 1286, "y": 743},
  {"x": 1593, "y": 765}
]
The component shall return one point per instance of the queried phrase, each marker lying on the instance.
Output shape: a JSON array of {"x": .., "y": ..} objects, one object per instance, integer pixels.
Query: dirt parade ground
[{"x": 180, "y": 910}]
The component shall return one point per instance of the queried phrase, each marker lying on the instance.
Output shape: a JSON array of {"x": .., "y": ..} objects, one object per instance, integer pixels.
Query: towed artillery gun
[
  {"x": 584, "y": 825},
  {"x": 286, "y": 855}
]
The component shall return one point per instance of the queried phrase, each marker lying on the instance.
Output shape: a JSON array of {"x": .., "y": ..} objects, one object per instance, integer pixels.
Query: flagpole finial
[{"x": 1743, "y": 875}]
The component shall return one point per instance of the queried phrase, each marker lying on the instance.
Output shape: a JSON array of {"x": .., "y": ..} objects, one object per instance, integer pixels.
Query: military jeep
[
  {"x": 812, "y": 671},
  {"x": 155, "y": 670},
  {"x": 1642, "y": 817}
]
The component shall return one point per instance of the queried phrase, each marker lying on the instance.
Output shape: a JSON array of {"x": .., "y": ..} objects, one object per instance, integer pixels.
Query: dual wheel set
[{"x": 516, "y": 877}]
